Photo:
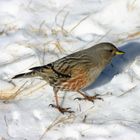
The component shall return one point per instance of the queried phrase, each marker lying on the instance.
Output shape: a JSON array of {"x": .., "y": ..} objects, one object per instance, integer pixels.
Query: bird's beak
[{"x": 118, "y": 52}]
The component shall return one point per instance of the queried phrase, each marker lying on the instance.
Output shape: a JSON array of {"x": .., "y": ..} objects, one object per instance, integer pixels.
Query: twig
[
  {"x": 58, "y": 46},
  {"x": 103, "y": 36},
  {"x": 127, "y": 91},
  {"x": 131, "y": 6},
  {"x": 6, "y": 123},
  {"x": 58, "y": 120},
  {"x": 73, "y": 28},
  {"x": 5, "y": 98},
  {"x": 62, "y": 27},
  {"x": 84, "y": 119},
  {"x": 44, "y": 53},
  {"x": 5, "y": 119},
  {"x": 35, "y": 88},
  {"x": 98, "y": 39},
  {"x": 59, "y": 12},
  {"x": 40, "y": 26}
]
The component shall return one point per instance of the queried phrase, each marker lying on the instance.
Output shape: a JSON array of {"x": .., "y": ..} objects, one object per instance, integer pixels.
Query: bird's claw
[
  {"x": 79, "y": 98},
  {"x": 61, "y": 109},
  {"x": 52, "y": 105},
  {"x": 90, "y": 98}
]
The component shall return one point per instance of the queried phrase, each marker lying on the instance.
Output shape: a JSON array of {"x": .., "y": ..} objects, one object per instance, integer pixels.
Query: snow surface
[{"x": 36, "y": 32}]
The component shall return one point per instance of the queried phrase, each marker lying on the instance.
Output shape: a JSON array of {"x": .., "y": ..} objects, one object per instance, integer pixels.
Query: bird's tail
[{"x": 25, "y": 75}]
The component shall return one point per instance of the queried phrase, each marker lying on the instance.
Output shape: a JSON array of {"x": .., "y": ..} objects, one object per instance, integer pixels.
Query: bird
[{"x": 75, "y": 71}]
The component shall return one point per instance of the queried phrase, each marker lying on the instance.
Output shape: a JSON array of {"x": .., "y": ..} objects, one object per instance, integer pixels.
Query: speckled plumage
[{"x": 75, "y": 71}]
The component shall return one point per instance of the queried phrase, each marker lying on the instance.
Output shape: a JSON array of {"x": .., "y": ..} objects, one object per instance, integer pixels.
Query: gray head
[
  {"x": 105, "y": 51},
  {"x": 108, "y": 49}
]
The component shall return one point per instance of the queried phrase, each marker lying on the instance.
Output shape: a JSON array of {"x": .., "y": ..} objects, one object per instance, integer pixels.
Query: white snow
[{"x": 36, "y": 32}]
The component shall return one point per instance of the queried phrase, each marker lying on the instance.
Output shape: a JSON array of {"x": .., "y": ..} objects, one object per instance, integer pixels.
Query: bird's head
[{"x": 107, "y": 51}]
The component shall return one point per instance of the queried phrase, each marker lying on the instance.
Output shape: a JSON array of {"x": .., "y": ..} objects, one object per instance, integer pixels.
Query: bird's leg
[
  {"x": 57, "y": 106},
  {"x": 89, "y": 98}
]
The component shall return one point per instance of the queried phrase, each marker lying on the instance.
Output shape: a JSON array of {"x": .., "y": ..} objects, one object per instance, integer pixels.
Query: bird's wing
[
  {"x": 66, "y": 67},
  {"x": 49, "y": 70},
  {"x": 71, "y": 64}
]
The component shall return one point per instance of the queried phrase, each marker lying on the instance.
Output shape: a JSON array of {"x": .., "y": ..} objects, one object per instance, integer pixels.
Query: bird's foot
[
  {"x": 90, "y": 98},
  {"x": 61, "y": 109}
]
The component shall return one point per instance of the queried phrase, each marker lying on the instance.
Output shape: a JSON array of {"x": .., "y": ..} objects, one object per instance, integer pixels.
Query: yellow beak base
[{"x": 119, "y": 52}]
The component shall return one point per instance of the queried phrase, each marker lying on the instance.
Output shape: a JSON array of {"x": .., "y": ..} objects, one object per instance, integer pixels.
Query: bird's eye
[{"x": 110, "y": 50}]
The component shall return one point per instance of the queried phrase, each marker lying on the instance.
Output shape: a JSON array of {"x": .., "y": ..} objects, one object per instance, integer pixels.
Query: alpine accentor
[{"x": 75, "y": 71}]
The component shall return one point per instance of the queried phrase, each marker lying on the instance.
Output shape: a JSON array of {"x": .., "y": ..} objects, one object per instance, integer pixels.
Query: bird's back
[{"x": 71, "y": 72}]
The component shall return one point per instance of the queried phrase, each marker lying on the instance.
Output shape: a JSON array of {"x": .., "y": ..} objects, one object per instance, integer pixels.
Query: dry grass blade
[
  {"x": 59, "y": 12},
  {"x": 131, "y": 5},
  {"x": 7, "y": 125},
  {"x": 134, "y": 35},
  {"x": 58, "y": 120},
  {"x": 59, "y": 47},
  {"x": 103, "y": 36},
  {"x": 41, "y": 25},
  {"x": 2, "y": 32},
  {"x": 34, "y": 88},
  {"x": 73, "y": 28},
  {"x": 128, "y": 91},
  {"x": 62, "y": 27},
  {"x": 12, "y": 96},
  {"x": 43, "y": 57}
]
